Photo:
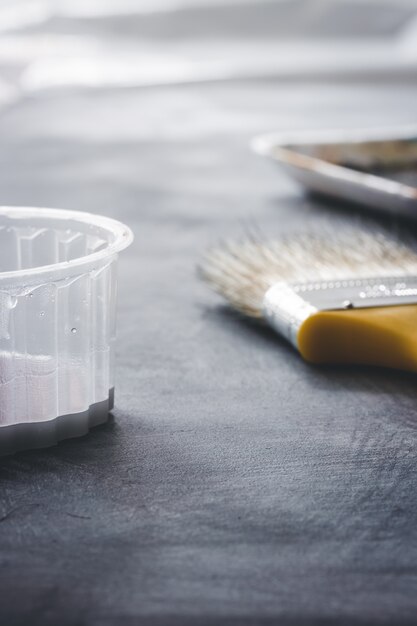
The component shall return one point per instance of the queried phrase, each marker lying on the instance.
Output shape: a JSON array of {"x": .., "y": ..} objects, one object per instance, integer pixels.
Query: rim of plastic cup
[{"x": 122, "y": 238}]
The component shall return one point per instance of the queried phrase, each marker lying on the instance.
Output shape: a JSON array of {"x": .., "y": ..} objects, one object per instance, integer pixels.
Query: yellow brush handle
[{"x": 385, "y": 336}]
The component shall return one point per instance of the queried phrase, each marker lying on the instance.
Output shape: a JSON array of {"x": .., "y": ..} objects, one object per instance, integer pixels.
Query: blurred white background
[
  {"x": 48, "y": 47},
  {"x": 97, "y": 43}
]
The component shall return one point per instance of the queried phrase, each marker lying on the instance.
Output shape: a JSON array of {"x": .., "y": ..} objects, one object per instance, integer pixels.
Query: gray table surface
[{"x": 235, "y": 484}]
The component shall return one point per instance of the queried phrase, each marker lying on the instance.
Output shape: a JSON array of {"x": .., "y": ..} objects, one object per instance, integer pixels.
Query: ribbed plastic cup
[{"x": 58, "y": 292}]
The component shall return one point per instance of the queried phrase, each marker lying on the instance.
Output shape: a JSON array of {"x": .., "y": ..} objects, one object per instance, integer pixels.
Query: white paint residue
[{"x": 29, "y": 388}]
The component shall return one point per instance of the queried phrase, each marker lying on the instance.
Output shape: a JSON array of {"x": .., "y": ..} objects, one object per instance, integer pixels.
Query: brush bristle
[{"x": 242, "y": 271}]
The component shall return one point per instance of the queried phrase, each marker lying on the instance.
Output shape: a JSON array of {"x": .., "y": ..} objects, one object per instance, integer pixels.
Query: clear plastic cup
[{"x": 57, "y": 323}]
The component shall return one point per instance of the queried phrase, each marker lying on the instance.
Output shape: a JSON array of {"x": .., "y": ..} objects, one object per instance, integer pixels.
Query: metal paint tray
[{"x": 373, "y": 167}]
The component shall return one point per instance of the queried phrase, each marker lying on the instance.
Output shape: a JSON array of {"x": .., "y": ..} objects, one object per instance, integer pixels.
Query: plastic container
[{"x": 57, "y": 323}]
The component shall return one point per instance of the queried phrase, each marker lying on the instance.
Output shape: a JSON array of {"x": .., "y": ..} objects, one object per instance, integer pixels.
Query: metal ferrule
[{"x": 286, "y": 306}]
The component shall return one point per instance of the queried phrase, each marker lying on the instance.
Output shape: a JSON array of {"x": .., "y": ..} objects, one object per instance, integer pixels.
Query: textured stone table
[{"x": 235, "y": 483}]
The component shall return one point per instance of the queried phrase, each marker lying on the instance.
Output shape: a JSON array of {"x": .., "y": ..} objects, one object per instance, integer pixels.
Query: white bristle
[{"x": 242, "y": 271}]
